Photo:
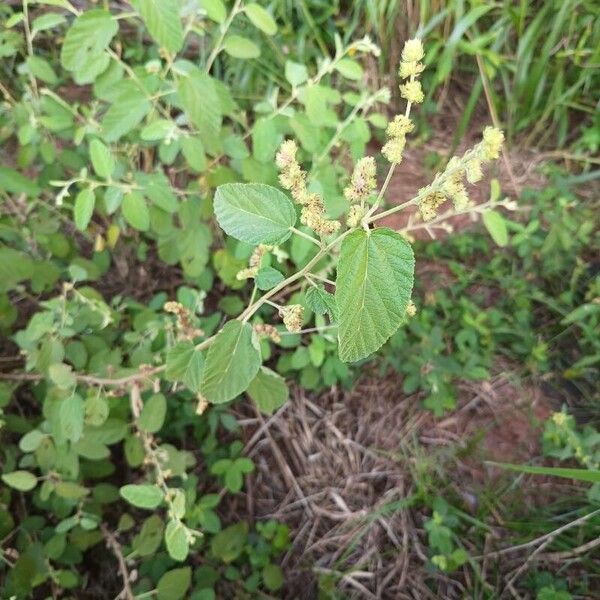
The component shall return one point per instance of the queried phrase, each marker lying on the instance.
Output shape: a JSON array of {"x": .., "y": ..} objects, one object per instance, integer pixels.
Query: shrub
[{"x": 119, "y": 138}]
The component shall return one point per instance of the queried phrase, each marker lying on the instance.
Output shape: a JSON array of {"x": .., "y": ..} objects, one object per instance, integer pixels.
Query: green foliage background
[{"x": 117, "y": 125}]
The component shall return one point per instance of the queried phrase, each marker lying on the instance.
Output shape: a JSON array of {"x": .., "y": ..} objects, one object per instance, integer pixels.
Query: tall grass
[{"x": 541, "y": 58}]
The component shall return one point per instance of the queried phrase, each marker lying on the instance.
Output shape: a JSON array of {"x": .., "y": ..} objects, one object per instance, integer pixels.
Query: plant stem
[
  {"x": 224, "y": 29},
  {"x": 306, "y": 236}
]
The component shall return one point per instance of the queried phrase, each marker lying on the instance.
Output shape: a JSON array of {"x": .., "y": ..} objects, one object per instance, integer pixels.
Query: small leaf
[
  {"x": 128, "y": 109},
  {"x": 240, "y": 47},
  {"x": 135, "y": 211},
  {"x": 266, "y": 139},
  {"x": 215, "y": 9},
  {"x": 261, "y": 18},
  {"x": 31, "y": 441},
  {"x": 273, "y": 577},
  {"x": 268, "y": 390},
  {"x": 174, "y": 584},
  {"x": 267, "y": 278},
  {"x": 102, "y": 159},
  {"x": 320, "y": 301},
  {"x": 200, "y": 100},
  {"x": 295, "y": 73},
  {"x": 24, "y": 481},
  {"x": 142, "y": 496},
  {"x": 153, "y": 413},
  {"x": 71, "y": 417},
  {"x": 193, "y": 152},
  {"x": 83, "y": 208},
  {"x": 350, "y": 69},
  {"x": 232, "y": 362},
  {"x": 41, "y": 69},
  {"x": 228, "y": 544},
  {"x": 163, "y": 22},
  {"x": 254, "y": 213},
  {"x": 176, "y": 540},
  {"x": 185, "y": 363},
  {"x": 496, "y": 225},
  {"x": 374, "y": 284}
]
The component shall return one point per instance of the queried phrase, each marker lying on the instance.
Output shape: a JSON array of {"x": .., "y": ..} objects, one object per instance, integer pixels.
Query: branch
[{"x": 113, "y": 544}]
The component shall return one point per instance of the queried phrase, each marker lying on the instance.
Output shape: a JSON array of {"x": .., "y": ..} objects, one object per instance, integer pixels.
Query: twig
[{"x": 113, "y": 544}]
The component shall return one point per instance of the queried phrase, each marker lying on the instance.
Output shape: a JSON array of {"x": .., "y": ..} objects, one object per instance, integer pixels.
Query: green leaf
[
  {"x": 350, "y": 69},
  {"x": 13, "y": 182},
  {"x": 82, "y": 51},
  {"x": 62, "y": 375},
  {"x": 267, "y": 278},
  {"x": 102, "y": 159},
  {"x": 83, "y": 208},
  {"x": 295, "y": 73},
  {"x": 71, "y": 416},
  {"x": 148, "y": 540},
  {"x": 176, "y": 540},
  {"x": 496, "y": 225},
  {"x": 240, "y": 47},
  {"x": 24, "y": 481},
  {"x": 174, "y": 584},
  {"x": 153, "y": 413},
  {"x": 193, "y": 152},
  {"x": 143, "y": 496},
  {"x": 273, "y": 577},
  {"x": 374, "y": 284},
  {"x": 135, "y": 211},
  {"x": 320, "y": 301},
  {"x": 265, "y": 139},
  {"x": 268, "y": 390},
  {"x": 163, "y": 22},
  {"x": 254, "y": 213},
  {"x": 31, "y": 441},
  {"x": 260, "y": 18},
  {"x": 200, "y": 102},
  {"x": 577, "y": 474},
  {"x": 128, "y": 109},
  {"x": 47, "y": 21},
  {"x": 41, "y": 69},
  {"x": 228, "y": 544},
  {"x": 232, "y": 362},
  {"x": 157, "y": 188},
  {"x": 157, "y": 130},
  {"x": 185, "y": 363},
  {"x": 215, "y": 9}
]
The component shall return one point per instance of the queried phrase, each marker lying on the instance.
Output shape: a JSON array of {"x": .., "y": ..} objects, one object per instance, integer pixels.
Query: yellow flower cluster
[
  {"x": 185, "y": 328},
  {"x": 269, "y": 331},
  {"x": 293, "y": 316},
  {"x": 492, "y": 143},
  {"x": 293, "y": 178},
  {"x": 355, "y": 214},
  {"x": 430, "y": 203},
  {"x": 450, "y": 184},
  {"x": 363, "y": 181},
  {"x": 254, "y": 262},
  {"x": 396, "y": 133},
  {"x": 411, "y": 67}
]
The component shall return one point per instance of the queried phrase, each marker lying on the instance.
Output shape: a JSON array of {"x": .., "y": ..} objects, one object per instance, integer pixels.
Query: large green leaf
[
  {"x": 162, "y": 20},
  {"x": 254, "y": 213},
  {"x": 232, "y": 362},
  {"x": 374, "y": 284},
  {"x": 82, "y": 51},
  {"x": 201, "y": 103}
]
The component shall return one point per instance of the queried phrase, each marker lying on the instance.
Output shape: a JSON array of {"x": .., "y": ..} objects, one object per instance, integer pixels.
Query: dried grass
[{"x": 343, "y": 471}]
